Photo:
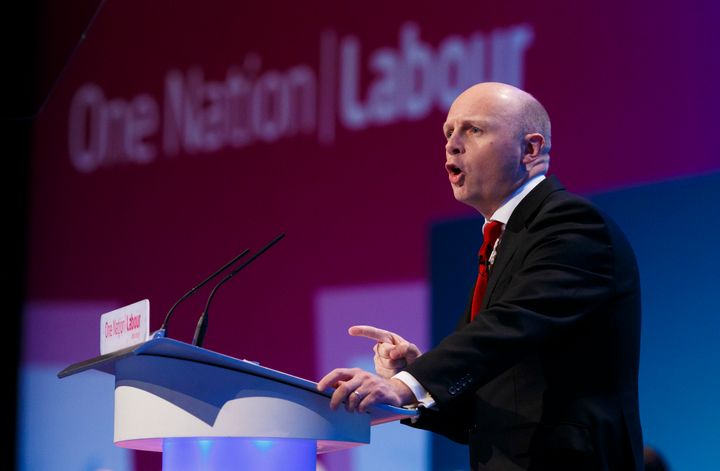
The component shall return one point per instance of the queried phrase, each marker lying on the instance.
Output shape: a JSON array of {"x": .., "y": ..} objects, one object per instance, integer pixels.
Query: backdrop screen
[{"x": 178, "y": 134}]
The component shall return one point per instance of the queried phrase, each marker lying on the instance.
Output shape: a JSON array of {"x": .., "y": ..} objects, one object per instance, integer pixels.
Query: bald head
[
  {"x": 498, "y": 138},
  {"x": 515, "y": 107}
]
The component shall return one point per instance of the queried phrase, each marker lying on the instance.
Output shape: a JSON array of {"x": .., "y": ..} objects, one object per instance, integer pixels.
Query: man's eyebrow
[{"x": 482, "y": 122}]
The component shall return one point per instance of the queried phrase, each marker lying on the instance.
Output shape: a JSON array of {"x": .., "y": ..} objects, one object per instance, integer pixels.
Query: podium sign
[
  {"x": 198, "y": 406},
  {"x": 124, "y": 327}
]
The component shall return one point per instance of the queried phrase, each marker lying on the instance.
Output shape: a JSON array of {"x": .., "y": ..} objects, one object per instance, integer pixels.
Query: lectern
[{"x": 208, "y": 411}]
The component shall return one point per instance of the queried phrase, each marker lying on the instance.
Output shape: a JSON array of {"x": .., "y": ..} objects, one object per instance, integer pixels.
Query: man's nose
[{"x": 454, "y": 146}]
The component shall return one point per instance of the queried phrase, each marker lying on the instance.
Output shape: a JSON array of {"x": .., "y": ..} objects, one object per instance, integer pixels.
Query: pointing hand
[{"x": 392, "y": 352}]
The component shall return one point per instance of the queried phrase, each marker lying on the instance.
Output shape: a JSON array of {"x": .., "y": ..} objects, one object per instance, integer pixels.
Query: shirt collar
[{"x": 503, "y": 213}]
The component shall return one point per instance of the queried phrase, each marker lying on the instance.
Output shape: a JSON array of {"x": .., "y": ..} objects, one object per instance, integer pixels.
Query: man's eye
[
  {"x": 474, "y": 130},
  {"x": 448, "y": 133}
]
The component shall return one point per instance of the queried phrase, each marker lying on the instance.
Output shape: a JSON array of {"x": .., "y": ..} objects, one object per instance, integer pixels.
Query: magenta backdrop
[{"x": 153, "y": 166}]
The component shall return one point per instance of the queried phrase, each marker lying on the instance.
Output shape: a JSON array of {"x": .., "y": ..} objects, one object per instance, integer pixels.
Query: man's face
[{"x": 484, "y": 149}]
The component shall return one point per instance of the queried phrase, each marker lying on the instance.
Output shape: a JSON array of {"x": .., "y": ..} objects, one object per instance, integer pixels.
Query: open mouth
[{"x": 455, "y": 174}]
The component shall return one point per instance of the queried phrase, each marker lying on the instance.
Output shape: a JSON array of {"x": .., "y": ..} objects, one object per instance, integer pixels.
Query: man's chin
[
  {"x": 461, "y": 195},
  {"x": 464, "y": 198}
]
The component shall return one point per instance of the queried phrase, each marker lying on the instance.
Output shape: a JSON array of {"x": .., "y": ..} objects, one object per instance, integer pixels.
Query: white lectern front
[{"x": 208, "y": 411}]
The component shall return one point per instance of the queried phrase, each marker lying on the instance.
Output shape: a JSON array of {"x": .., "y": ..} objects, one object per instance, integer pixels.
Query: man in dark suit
[{"x": 541, "y": 373}]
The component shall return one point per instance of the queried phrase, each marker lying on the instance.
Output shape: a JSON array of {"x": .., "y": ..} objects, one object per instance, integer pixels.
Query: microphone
[
  {"x": 162, "y": 331},
  {"x": 202, "y": 322}
]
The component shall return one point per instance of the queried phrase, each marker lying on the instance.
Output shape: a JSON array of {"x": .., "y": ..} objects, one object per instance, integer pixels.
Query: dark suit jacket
[{"x": 546, "y": 375}]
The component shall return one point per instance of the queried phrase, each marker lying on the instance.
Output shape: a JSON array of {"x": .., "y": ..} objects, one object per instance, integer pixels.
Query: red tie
[{"x": 491, "y": 232}]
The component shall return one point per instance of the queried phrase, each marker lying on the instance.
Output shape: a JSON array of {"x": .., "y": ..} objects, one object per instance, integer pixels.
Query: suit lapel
[
  {"x": 505, "y": 252},
  {"x": 515, "y": 231}
]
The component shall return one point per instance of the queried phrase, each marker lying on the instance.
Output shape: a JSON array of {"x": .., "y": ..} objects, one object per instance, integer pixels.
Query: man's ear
[{"x": 533, "y": 147}]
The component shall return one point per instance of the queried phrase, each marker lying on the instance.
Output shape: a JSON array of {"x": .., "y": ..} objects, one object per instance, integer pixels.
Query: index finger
[
  {"x": 372, "y": 333},
  {"x": 332, "y": 379}
]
